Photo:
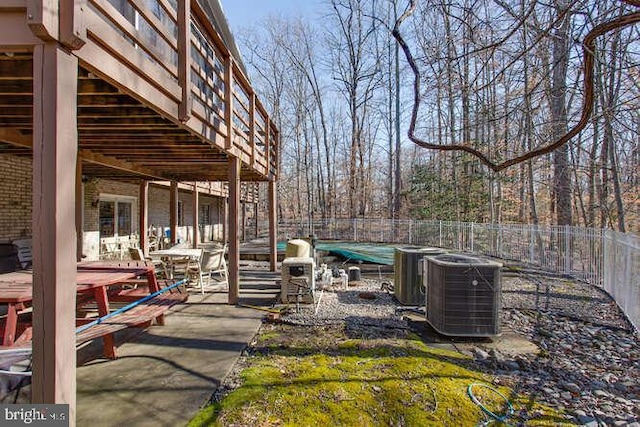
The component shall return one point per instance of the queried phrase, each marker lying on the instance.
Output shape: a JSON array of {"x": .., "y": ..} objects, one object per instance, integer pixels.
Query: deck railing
[
  {"x": 603, "y": 258},
  {"x": 171, "y": 56}
]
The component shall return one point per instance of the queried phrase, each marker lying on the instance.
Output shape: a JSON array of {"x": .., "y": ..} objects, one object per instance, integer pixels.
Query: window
[
  {"x": 204, "y": 215},
  {"x": 116, "y": 215},
  {"x": 180, "y": 213},
  {"x": 107, "y": 223},
  {"x": 124, "y": 218}
]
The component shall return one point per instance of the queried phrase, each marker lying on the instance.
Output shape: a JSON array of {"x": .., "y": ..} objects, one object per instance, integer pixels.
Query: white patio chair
[
  {"x": 213, "y": 266},
  {"x": 136, "y": 254},
  {"x": 15, "y": 370}
]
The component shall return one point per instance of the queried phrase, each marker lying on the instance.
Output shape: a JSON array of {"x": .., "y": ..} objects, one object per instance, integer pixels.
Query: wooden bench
[{"x": 140, "y": 316}]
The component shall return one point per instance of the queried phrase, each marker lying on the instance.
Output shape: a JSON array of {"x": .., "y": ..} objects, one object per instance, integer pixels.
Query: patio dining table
[
  {"x": 172, "y": 256},
  {"x": 92, "y": 278}
]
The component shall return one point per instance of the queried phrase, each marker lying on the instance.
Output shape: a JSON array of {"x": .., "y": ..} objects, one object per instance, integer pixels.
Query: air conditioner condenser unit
[
  {"x": 408, "y": 270},
  {"x": 463, "y": 295}
]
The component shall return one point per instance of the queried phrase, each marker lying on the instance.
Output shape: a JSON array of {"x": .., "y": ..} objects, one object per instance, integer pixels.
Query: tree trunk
[{"x": 561, "y": 171}]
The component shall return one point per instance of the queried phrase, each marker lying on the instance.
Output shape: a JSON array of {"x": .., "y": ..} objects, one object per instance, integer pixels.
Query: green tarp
[{"x": 354, "y": 252}]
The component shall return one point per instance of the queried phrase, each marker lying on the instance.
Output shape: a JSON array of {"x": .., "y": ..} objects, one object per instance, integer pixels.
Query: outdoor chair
[
  {"x": 25, "y": 256},
  {"x": 110, "y": 248},
  {"x": 15, "y": 370},
  {"x": 183, "y": 266},
  {"x": 212, "y": 265},
  {"x": 136, "y": 254}
]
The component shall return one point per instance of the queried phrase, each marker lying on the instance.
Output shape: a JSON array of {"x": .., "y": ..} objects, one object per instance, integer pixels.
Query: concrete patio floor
[{"x": 165, "y": 374}]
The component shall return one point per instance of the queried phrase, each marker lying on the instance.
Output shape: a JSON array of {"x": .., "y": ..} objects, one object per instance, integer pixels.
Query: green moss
[
  {"x": 269, "y": 336},
  {"x": 413, "y": 336},
  {"x": 368, "y": 383}
]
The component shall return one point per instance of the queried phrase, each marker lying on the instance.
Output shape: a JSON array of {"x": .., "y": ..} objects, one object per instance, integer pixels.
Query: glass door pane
[
  {"x": 124, "y": 219},
  {"x": 107, "y": 225}
]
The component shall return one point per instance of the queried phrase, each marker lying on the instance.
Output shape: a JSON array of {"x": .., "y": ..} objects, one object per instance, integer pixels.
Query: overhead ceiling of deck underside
[{"x": 118, "y": 137}]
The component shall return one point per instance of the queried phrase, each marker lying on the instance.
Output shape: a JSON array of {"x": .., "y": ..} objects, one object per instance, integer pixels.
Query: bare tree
[
  {"x": 357, "y": 72},
  {"x": 588, "y": 52},
  {"x": 557, "y": 101}
]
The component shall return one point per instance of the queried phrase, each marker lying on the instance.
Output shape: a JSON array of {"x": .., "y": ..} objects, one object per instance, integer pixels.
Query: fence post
[
  {"x": 355, "y": 227},
  {"x": 567, "y": 249},
  {"x": 410, "y": 231},
  {"x": 440, "y": 233},
  {"x": 531, "y": 243},
  {"x": 471, "y": 236}
]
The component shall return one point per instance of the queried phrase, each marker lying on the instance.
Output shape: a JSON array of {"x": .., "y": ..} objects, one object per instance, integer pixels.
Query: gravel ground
[{"x": 588, "y": 358}]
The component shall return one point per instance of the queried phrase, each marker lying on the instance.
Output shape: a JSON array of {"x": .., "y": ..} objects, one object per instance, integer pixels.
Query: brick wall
[
  {"x": 15, "y": 196},
  {"x": 159, "y": 211}
]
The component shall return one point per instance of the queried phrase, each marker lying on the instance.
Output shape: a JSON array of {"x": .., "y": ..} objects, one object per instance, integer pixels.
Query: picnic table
[{"x": 95, "y": 282}]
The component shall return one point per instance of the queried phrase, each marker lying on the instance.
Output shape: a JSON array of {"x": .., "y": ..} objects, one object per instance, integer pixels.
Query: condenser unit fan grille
[{"x": 463, "y": 296}]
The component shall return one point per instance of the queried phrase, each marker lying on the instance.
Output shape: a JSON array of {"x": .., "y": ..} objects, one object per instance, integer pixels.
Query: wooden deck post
[
  {"x": 79, "y": 210},
  {"x": 173, "y": 212},
  {"x": 273, "y": 223},
  {"x": 256, "y": 218},
  {"x": 222, "y": 219},
  {"x": 55, "y": 146},
  {"x": 225, "y": 219},
  {"x": 144, "y": 216},
  {"x": 234, "y": 244},
  {"x": 196, "y": 213},
  {"x": 244, "y": 222}
]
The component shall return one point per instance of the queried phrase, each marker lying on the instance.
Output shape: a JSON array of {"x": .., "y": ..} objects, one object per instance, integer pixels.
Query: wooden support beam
[
  {"x": 173, "y": 212},
  {"x": 195, "y": 216},
  {"x": 273, "y": 224},
  {"x": 16, "y": 35},
  {"x": 255, "y": 217},
  {"x": 144, "y": 216},
  {"x": 73, "y": 28},
  {"x": 43, "y": 18},
  {"x": 234, "y": 241},
  {"x": 225, "y": 216},
  {"x": 110, "y": 162},
  {"x": 12, "y": 5},
  {"x": 243, "y": 237},
  {"x": 54, "y": 237},
  {"x": 79, "y": 210},
  {"x": 15, "y": 137}
]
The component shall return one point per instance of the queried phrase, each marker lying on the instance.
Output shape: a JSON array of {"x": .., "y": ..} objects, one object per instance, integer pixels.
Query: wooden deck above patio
[
  {"x": 160, "y": 94},
  {"x": 144, "y": 90}
]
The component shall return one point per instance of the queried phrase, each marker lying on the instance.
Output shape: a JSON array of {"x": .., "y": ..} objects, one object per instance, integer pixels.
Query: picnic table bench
[
  {"x": 142, "y": 315},
  {"x": 102, "y": 283}
]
